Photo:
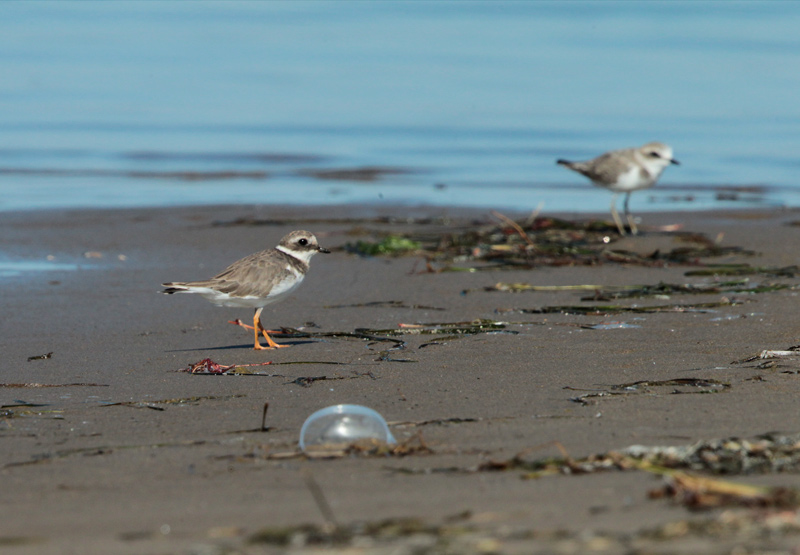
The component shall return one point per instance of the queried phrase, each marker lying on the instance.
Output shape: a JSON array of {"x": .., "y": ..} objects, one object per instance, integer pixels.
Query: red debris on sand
[{"x": 208, "y": 366}]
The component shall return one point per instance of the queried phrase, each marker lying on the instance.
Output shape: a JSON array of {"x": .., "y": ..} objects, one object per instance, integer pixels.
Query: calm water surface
[{"x": 116, "y": 104}]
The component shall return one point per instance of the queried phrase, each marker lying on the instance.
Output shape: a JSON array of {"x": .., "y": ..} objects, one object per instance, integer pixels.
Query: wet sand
[{"x": 142, "y": 458}]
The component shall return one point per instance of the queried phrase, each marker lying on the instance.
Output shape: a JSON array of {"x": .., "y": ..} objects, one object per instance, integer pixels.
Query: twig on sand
[
  {"x": 508, "y": 221},
  {"x": 320, "y": 500},
  {"x": 534, "y": 214}
]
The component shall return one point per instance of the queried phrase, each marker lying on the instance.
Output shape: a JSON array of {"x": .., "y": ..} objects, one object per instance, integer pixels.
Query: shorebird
[
  {"x": 625, "y": 171},
  {"x": 257, "y": 280}
]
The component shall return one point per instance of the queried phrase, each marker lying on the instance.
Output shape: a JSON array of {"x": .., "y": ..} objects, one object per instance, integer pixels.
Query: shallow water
[
  {"x": 13, "y": 268},
  {"x": 118, "y": 104}
]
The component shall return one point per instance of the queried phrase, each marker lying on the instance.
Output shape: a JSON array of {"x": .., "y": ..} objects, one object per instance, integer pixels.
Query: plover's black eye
[
  {"x": 654, "y": 154},
  {"x": 303, "y": 242}
]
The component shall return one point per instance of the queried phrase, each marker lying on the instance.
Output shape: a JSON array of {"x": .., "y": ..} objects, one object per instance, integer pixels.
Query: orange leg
[
  {"x": 258, "y": 327},
  {"x": 240, "y": 323}
]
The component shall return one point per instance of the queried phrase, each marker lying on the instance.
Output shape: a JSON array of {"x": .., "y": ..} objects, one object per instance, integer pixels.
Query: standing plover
[
  {"x": 625, "y": 171},
  {"x": 258, "y": 280}
]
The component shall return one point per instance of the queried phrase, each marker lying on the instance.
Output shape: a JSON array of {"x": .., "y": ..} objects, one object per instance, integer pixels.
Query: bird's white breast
[
  {"x": 286, "y": 285},
  {"x": 632, "y": 179}
]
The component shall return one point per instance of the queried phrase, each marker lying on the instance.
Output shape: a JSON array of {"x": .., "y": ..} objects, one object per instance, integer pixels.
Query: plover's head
[
  {"x": 301, "y": 244},
  {"x": 657, "y": 156}
]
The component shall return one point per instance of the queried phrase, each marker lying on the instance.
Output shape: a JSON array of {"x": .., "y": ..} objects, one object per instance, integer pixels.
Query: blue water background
[{"x": 119, "y": 104}]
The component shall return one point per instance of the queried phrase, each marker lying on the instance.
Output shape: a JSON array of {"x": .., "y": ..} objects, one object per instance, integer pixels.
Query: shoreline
[
  {"x": 665, "y": 198},
  {"x": 105, "y": 466}
]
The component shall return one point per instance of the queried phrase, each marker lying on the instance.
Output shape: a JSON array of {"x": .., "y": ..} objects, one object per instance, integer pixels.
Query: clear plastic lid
[{"x": 344, "y": 424}]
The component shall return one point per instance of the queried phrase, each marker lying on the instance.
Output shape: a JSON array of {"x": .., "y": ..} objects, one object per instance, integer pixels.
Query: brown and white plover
[
  {"x": 258, "y": 280},
  {"x": 625, "y": 171}
]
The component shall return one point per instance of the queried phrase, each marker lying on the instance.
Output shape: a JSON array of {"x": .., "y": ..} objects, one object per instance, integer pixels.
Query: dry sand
[{"x": 182, "y": 467}]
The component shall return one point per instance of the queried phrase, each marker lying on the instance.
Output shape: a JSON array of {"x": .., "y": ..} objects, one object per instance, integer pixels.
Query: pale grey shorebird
[
  {"x": 625, "y": 171},
  {"x": 258, "y": 280}
]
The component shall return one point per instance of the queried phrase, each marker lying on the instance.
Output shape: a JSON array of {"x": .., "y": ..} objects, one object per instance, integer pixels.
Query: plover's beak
[
  {"x": 320, "y": 249},
  {"x": 673, "y": 161}
]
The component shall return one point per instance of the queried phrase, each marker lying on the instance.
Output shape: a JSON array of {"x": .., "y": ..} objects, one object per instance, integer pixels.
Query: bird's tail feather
[{"x": 174, "y": 288}]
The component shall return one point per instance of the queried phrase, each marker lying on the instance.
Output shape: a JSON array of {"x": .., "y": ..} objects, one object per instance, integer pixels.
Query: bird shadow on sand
[{"x": 245, "y": 346}]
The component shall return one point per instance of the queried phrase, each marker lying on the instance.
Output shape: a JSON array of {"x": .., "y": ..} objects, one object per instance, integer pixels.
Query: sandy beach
[{"x": 108, "y": 447}]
